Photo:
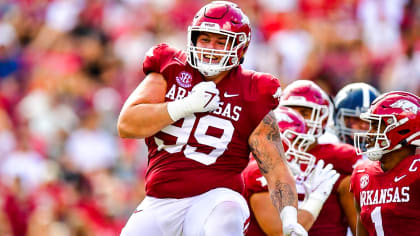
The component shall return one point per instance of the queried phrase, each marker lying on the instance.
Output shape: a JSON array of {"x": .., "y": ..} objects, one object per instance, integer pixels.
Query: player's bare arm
[
  {"x": 268, "y": 218},
  {"x": 306, "y": 219},
  {"x": 268, "y": 151},
  {"x": 266, "y": 214},
  {"x": 347, "y": 201},
  {"x": 145, "y": 111}
]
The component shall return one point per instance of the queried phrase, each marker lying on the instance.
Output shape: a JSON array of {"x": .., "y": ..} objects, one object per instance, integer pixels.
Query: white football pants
[{"x": 218, "y": 212}]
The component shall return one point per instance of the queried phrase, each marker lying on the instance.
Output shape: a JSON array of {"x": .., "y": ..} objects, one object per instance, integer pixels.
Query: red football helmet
[
  {"x": 394, "y": 122},
  {"x": 221, "y": 17},
  {"x": 305, "y": 93},
  {"x": 293, "y": 132}
]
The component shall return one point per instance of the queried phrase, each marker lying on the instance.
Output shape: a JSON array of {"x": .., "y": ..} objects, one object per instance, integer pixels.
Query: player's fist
[
  {"x": 318, "y": 187},
  {"x": 203, "y": 97},
  {"x": 294, "y": 230},
  {"x": 289, "y": 221}
]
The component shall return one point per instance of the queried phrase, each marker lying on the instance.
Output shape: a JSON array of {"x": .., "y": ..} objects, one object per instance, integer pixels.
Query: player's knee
[{"x": 227, "y": 218}]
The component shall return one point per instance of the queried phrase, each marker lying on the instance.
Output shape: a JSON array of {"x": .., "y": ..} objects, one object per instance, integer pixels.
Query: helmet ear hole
[
  {"x": 404, "y": 131},
  {"x": 194, "y": 36},
  {"x": 241, "y": 61}
]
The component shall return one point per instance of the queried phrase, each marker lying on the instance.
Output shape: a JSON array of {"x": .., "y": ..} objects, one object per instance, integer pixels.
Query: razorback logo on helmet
[
  {"x": 184, "y": 79},
  {"x": 405, "y": 105},
  {"x": 364, "y": 180},
  {"x": 283, "y": 117}
]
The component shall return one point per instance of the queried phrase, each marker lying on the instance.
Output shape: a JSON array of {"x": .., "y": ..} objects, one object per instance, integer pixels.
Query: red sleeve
[
  {"x": 266, "y": 88},
  {"x": 253, "y": 179},
  {"x": 354, "y": 181},
  {"x": 348, "y": 158},
  {"x": 269, "y": 88},
  {"x": 157, "y": 58}
]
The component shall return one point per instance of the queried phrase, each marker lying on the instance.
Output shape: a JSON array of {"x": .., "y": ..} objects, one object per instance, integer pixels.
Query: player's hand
[
  {"x": 294, "y": 230},
  {"x": 321, "y": 181},
  {"x": 204, "y": 97},
  {"x": 290, "y": 225},
  {"x": 318, "y": 187}
]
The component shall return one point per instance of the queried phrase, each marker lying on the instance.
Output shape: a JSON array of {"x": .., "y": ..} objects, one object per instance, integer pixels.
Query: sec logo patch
[
  {"x": 364, "y": 181},
  {"x": 184, "y": 79}
]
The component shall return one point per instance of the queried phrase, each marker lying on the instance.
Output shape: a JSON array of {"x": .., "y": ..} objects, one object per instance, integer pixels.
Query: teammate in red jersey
[
  {"x": 202, "y": 114},
  {"x": 387, "y": 186},
  {"x": 338, "y": 211},
  {"x": 318, "y": 181}
]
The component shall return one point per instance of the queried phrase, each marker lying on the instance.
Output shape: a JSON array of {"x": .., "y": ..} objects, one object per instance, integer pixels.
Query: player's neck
[
  {"x": 217, "y": 78},
  {"x": 312, "y": 146},
  {"x": 390, "y": 160}
]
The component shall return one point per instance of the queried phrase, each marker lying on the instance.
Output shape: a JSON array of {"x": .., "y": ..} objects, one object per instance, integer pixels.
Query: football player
[
  {"x": 317, "y": 182},
  {"x": 387, "y": 186},
  {"x": 338, "y": 211},
  {"x": 201, "y": 114},
  {"x": 352, "y": 100}
]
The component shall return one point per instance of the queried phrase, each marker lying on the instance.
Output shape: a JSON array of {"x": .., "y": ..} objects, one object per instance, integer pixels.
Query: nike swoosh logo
[
  {"x": 226, "y": 95},
  {"x": 137, "y": 211},
  {"x": 396, "y": 179},
  {"x": 360, "y": 171}
]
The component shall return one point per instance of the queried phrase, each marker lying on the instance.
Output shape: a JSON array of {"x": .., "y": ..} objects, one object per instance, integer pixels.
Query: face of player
[
  {"x": 306, "y": 112},
  {"x": 356, "y": 123},
  {"x": 374, "y": 126},
  {"x": 212, "y": 41},
  {"x": 312, "y": 119}
]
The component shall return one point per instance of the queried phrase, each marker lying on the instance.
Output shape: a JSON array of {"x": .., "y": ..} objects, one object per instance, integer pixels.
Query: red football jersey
[
  {"x": 389, "y": 201},
  {"x": 331, "y": 219},
  {"x": 210, "y": 149},
  {"x": 254, "y": 183}
]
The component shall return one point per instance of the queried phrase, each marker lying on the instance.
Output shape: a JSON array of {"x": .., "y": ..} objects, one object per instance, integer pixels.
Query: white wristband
[
  {"x": 176, "y": 109},
  {"x": 288, "y": 214},
  {"x": 313, "y": 205}
]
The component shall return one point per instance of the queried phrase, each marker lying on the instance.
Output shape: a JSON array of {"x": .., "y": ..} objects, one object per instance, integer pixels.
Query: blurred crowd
[{"x": 66, "y": 66}]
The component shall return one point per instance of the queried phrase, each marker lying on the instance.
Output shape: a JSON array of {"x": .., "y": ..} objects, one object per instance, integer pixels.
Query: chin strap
[{"x": 207, "y": 73}]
